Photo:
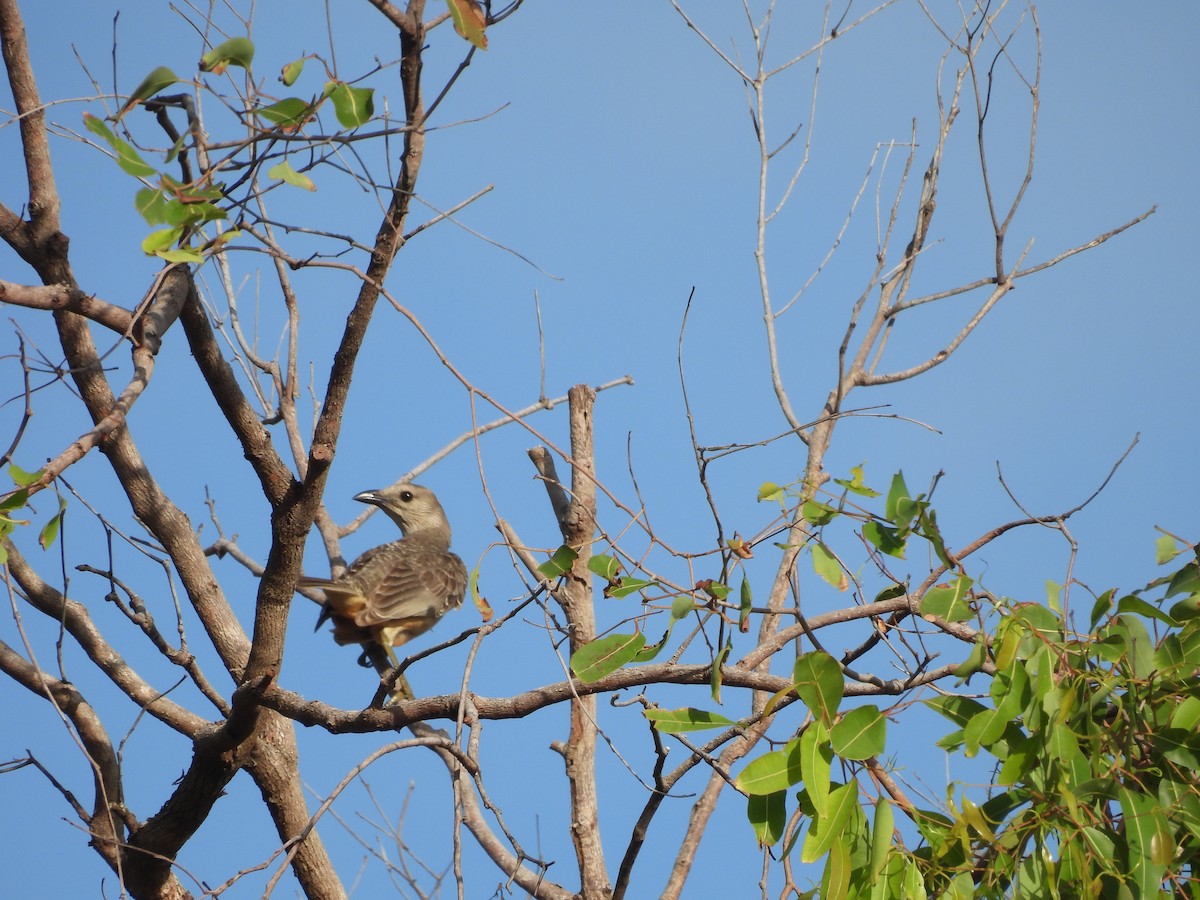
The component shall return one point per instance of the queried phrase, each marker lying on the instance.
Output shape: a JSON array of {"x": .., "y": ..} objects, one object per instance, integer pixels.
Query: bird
[{"x": 398, "y": 591}]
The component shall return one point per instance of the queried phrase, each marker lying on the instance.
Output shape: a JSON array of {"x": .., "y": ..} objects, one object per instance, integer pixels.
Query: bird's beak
[{"x": 371, "y": 497}]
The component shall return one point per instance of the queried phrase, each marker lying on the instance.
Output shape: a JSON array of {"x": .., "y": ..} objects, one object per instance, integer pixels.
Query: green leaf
[
  {"x": 158, "y": 80},
  {"x": 181, "y": 255},
  {"x": 860, "y": 734},
  {"x": 769, "y": 490},
  {"x": 285, "y": 173},
  {"x": 681, "y": 607},
  {"x": 1053, "y": 593},
  {"x": 855, "y": 484},
  {"x": 1101, "y": 607},
  {"x": 959, "y": 710},
  {"x": 899, "y": 507},
  {"x": 560, "y": 563},
  {"x": 354, "y": 106},
  {"x": 771, "y": 772},
  {"x": 828, "y": 567},
  {"x": 623, "y": 587},
  {"x": 768, "y": 815},
  {"x": 21, "y": 478},
  {"x": 835, "y": 879},
  {"x": 1186, "y": 580},
  {"x": 605, "y": 655},
  {"x": 817, "y": 513},
  {"x": 884, "y": 538},
  {"x": 151, "y": 205},
  {"x": 1166, "y": 548},
  {"x": 238, "y": 51},
  {"x": 16, "y": 499},
  {"x": 128, "y": 158},
  {"x": 676, "y": 721},
  {"x": 744, "y": 606},
  {"x": 881, "y": 837},
  {"x": 1137, "y": 605},
  {"x": 950, "y": 603},
  {"x": 829, "y": 828},
  {"x": 50, "y": 530},
  {"x": 816, "y": 762},
  {"x": 973, "y": 663},
  {"x": 163, "y": 239},
  {"x": 288, "y": 114},
  {"x": 714, "y": 678},
  {"x": 291, "y": 72},
  {"x": 606, "y": 567},
  {"x": 819, "y": 684}
]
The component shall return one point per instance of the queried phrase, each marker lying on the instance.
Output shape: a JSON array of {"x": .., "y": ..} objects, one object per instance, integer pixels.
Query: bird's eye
[{"x": 406, "y": 496}]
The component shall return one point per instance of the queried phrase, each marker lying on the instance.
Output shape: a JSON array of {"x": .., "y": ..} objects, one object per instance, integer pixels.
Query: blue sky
[{"x": 622, "y": 160}]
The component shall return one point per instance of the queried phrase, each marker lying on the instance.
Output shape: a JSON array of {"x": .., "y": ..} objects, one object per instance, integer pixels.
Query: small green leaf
[
  {"x": 681, "y": 607},
  {"x": 769, "y": 490},
  {"x": 951, "y": 603},
  {"x": 855, "y": 484},
  {"x": 768, "y": 815},
  {"x": 151, "y": 205},
  {"x": 1101, "y": 607},
  {"x": 860, "y": 734},
  {"x": 288, "y": 114},
  {"x": 128, "y": 158},
  {"x": 354, "y": 106},
  {"x": 560, "y": 563},
  {"x": 817, "y": 513},
  {"x": 819, "y": 684},
  {"x": 898, "y": 506},
  {"x": 973, "y": 663},
  {"x": 163, "y": 239},
  {"x": 606, "y": 567},
  {"x": 238, "y": 51},
  {"x": 21, "y": 478},
  {"x": 744, "y": 606},
  {"x": 676, "y": 721},
  {"x": 50, "y": 530},
  {"x": 623, "y": 587},
  {"x": 714, "y": 678},
  {"x": 650, "y": 651},
  {"x": 1166, "y": 548},
  {"x": 771, "y": 772},
  {"x": 827, "y": 566},
  {"x": 1053, "y": 593},
  {"x": 291, "y": 72},
  {"x": 884, "y": 538},
  {"x": 181, "y": 255},
  {"x": 605, "y": 655},
  {"x": 158, "y": 80},
  {"x": 16, "y": 499},
  {"x": 285, "y": 173}
]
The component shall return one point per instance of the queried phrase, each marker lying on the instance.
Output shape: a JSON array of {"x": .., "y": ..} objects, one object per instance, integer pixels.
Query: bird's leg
[{"x": 402, "y": 690}]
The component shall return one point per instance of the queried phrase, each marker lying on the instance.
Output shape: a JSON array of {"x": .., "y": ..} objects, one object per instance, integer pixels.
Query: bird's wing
[{"x": 412, "y": 582}]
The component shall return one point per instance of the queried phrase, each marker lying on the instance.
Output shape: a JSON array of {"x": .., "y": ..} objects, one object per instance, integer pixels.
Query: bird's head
[{"x": 412, "y": 507}]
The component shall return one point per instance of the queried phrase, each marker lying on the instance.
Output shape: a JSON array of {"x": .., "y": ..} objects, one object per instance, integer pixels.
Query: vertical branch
[{"x": 577, "y": 522}]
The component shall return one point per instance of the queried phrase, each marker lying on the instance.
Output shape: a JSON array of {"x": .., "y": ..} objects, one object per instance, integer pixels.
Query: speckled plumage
[{"x": 397, "y": 591}]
